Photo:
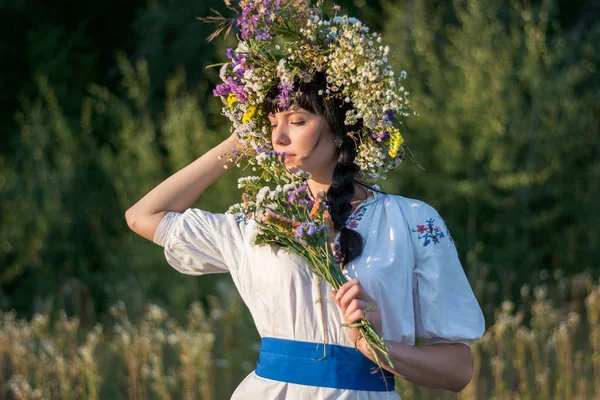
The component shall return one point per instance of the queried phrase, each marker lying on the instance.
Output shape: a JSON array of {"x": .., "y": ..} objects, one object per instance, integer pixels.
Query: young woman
[{"x": 396, "y": 252}]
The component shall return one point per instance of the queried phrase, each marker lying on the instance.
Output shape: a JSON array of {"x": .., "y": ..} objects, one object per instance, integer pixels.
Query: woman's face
[{"x": 307, "y": 140}]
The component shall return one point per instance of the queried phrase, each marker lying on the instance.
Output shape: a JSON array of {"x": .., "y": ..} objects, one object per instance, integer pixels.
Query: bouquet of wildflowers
[{"x": 288, "y": 217}]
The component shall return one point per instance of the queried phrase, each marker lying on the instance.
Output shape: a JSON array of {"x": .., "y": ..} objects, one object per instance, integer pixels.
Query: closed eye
[{"x": 293, "y": 123}]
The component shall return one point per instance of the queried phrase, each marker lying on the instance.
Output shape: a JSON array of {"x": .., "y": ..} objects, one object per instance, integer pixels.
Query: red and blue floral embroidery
[
  {"x": 430, "y": 232},
  {"x": 353, "y": 220},
  {"x": 239, "y": 217}
]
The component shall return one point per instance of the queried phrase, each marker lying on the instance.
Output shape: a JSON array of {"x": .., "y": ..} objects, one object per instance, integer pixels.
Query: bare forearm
[
  {"x": 181, "y": 190},
  {"x": 441, "y": 366},
  {"x": 445, "y": 366}
]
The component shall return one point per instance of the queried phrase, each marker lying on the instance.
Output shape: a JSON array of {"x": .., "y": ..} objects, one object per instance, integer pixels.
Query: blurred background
[{"x": 102, "y": 100}]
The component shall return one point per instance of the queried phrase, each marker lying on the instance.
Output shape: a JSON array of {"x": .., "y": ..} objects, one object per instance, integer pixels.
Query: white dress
[{"x": 409, "y": 265}]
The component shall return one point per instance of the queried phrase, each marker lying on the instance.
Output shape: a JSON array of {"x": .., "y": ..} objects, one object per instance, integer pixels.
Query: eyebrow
[{"x": 286, "y": 113}]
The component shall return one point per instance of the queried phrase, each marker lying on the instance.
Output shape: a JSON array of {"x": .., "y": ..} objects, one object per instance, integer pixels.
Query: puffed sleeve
[
  {"x": 445, "y": 307},
  {"x": 198, "y": 242}
]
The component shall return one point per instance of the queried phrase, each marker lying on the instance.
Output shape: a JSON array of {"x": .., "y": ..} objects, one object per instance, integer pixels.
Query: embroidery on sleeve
[
  {"x": 429, "y": 232},
  {"x": 241, "y": 218}
]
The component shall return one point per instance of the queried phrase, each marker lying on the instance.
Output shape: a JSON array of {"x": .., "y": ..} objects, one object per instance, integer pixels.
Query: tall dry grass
[
  {"x": 153, "y": 357},
  {"x": 540, "y": 348}
]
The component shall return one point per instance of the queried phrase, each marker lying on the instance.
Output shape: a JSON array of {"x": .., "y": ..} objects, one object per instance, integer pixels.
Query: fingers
[
  {"x": 352, "y": 301},
  {"x": 354, "y": 317},
  {"x": 348, "y": 296},
  {"x": 355, "y": 310},
  {"x": 345, "y": 287}
]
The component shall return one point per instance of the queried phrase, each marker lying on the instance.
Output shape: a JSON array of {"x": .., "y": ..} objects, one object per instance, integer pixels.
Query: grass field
[{"x": 545, "y": 347}]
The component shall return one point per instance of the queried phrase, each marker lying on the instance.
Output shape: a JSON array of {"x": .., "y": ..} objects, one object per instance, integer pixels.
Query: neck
[{"x": 316, "y": 185}]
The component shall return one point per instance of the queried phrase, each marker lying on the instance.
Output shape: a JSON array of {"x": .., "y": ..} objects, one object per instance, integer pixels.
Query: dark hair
[{"x": 341, "y": 191}]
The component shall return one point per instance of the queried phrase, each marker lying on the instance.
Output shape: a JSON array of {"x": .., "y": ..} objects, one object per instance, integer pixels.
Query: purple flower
[
  {"x": 229, "y": 53},
  {"x": 247, "y": 22},
  {"x": 296, "y": 192},
  {"x": 230, "y": 86},
  {"x": 268, "y": 152},
  {"x": 308, "y": 229},
  {"x": 283, "y": 99},
  {"x": 238, "y": 90},
  {"x": 238, "y": 62},
  {"x": 263, "y": 35},
  {"x": 389, "y": 115},
  {"x": 293, "y": 197},
  {"x": 380, "y": 137},
  {"x": 222, "y": 89},
  {"x": 251, "y": 18}
]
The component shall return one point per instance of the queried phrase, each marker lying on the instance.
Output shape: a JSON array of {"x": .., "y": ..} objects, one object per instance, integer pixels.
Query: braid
[{"x": 339, "y": 195}]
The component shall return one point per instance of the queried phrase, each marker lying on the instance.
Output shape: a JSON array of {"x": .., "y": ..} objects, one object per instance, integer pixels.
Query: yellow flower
[
  {"x": 252, "y": 114},
  {"x": 231, "y": 100},
  {"x": 396, "y": 141}
]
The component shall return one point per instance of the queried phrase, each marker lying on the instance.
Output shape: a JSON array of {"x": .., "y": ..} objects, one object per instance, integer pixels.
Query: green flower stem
[{"x": 325, "y": 267}]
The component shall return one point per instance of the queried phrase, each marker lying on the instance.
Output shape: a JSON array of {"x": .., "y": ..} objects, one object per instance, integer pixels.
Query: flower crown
[{"x": 283, "y": 43}]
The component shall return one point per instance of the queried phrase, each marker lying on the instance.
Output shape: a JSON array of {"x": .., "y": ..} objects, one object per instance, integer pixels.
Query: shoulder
[
  {"x": 411, "y": 208},
  {"x": 424, "y": 223},
  {"x": 419, "y": 217}
]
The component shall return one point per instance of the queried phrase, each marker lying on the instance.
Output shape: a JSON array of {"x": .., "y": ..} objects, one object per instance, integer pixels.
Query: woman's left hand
[{"x": 352, "y": 299}]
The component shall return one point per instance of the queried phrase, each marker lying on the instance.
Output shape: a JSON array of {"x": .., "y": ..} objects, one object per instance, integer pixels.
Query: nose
[{"x": 279, "y": 135}]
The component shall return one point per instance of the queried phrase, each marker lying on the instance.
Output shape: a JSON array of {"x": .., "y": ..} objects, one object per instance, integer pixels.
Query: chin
[
  {"x": 295, "y": 168},
  {"x": 315, "y": 172}
]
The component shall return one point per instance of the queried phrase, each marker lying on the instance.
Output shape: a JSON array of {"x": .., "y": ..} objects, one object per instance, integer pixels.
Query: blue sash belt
[{"x": 299, "y": 362}]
